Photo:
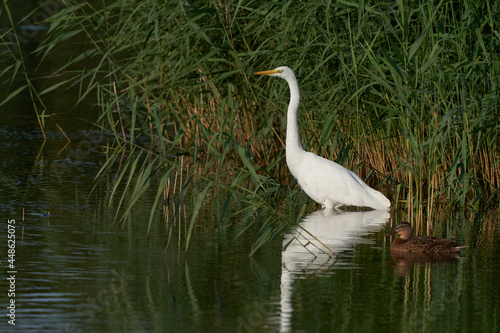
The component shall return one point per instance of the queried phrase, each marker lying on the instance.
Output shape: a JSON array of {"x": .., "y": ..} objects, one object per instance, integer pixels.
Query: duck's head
[{"x": 404, "y": 230}]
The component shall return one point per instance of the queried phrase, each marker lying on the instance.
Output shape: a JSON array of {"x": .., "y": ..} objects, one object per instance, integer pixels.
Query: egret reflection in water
[{"x": 314, "y": 246}]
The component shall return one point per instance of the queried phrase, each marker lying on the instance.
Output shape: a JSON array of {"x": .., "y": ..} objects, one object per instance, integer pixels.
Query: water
[{"x": 78, "y": 271}]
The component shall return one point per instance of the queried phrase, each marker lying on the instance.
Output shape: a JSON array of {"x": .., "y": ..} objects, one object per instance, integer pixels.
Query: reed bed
[{"x": 404, "y": 93}]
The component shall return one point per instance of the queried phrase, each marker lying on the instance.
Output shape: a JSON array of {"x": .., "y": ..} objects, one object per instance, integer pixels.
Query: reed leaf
[{"x": 197, "y": 207}]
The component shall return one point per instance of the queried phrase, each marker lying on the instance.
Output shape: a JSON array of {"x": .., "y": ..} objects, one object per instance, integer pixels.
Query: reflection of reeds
[{"x": 404, "y": 94}]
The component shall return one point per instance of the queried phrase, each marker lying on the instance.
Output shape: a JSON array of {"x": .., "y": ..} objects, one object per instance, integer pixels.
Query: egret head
[{"x": 282, "y": 72}]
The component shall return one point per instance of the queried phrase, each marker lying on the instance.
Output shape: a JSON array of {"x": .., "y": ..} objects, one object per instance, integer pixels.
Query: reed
[
  {"x": 14, "y": 74},
  {"x": 404, "y": 93}
]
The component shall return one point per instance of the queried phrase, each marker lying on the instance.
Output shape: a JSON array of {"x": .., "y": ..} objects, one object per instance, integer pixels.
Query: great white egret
[{"x": 324, "y": 181}]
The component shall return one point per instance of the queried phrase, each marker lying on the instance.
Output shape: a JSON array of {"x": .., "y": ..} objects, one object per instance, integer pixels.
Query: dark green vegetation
[{"x": 405, "y": 94}]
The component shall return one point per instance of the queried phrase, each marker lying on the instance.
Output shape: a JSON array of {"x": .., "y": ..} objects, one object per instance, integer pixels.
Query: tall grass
[
  {"x": 15, "y": 76},
  {"x": 404, "y": 93}
]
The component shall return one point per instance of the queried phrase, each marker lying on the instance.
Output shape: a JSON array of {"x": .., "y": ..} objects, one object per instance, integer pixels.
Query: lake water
[{"x": 77, "y": 271}]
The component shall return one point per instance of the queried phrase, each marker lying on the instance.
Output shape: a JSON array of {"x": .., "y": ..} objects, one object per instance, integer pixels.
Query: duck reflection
[
  {"x": 403, "y": 261},
  {"x": 313, "y": 247}
]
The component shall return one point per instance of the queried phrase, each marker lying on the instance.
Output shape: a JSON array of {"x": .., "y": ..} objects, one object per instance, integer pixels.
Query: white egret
[{"x": 324, "y": 181}]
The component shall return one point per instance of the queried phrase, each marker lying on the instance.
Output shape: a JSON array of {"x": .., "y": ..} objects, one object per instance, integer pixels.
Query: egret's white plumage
[{"x": 325, "y": 181}]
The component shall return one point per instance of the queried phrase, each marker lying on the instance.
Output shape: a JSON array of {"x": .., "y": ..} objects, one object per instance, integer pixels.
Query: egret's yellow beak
[{"x": 270, "y": 72}]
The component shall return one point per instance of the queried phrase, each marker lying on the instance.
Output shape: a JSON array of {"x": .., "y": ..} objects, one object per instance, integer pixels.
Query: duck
[{"x": 421, "y": 244}]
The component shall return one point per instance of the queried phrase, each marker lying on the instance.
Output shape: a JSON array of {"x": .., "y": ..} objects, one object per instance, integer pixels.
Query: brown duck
[{"x": 421, "y": 244}]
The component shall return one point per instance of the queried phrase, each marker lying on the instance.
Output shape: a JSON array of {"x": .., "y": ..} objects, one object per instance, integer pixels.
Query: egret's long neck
[{"x": 292, "y": 130}]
